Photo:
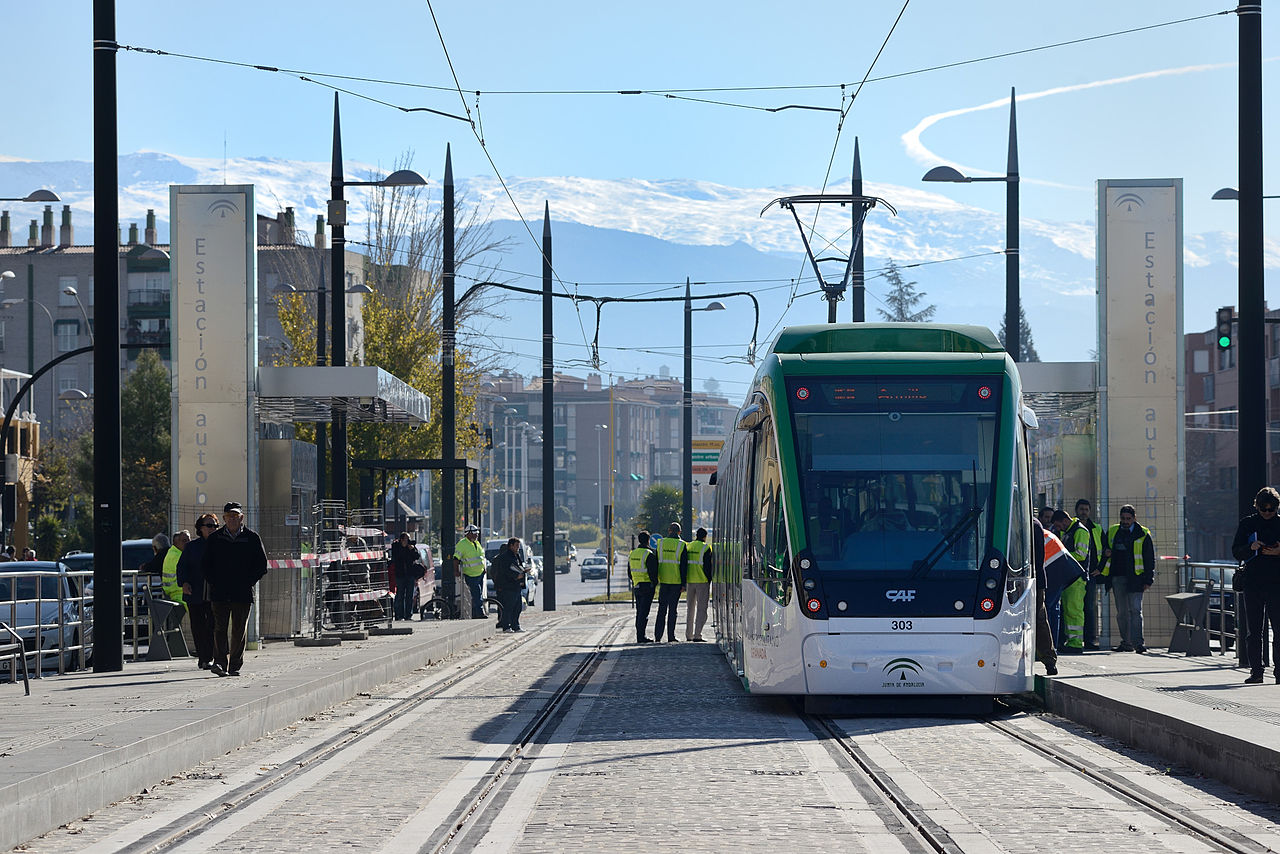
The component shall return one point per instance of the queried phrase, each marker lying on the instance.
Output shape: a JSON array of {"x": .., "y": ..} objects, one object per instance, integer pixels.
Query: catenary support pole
[
  {"x": 448, "y": 429},
  {"x": 1253, "y": 459},
  {"x": 108, "y": 641},
  {"x": 548, "y": 424}
]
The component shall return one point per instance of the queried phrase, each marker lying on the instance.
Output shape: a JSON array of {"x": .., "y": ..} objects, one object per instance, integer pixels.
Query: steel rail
[
  {"x": 1217, "y": 835},
  {"x": 927, "y": 832},
  {"x": 204, "y": 817},
  {"x": 552, "y": 711}
]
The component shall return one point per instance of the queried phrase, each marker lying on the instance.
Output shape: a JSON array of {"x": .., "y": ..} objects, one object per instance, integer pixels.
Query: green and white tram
[{"x": 873, "y": 521}]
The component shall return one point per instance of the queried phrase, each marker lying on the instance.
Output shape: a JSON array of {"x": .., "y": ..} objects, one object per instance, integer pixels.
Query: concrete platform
[
  {"x": 1193, "y": 711},
  {"x": 85, "y": 740}
]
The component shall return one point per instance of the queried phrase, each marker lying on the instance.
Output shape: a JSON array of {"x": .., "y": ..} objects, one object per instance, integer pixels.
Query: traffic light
[
  {"x": 488, "y": 438},
  {"x": 1224, "y": 328}
]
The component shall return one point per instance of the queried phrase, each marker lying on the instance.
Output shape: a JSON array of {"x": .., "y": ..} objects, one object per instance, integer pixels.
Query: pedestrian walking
[
  {"x": 468, "y": 557},
  {"x": 698, "y": 586},
  {"x": 1129, "y": 565},
  {"x": 643, "y": 566},
  {"x": 234, "y": 561},
  {"x": 190, "y": 576},
  {"x": 673, "y": 573},
  {"x": 508, "y": 577},
  {"x": 1084, "y": 515},
  {"x": 1257, "y": 546},
  {"x": 405, "y": 569}
]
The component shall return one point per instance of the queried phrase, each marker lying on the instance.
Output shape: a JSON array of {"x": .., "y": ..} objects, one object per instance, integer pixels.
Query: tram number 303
[{"x": 900, "y": 625}]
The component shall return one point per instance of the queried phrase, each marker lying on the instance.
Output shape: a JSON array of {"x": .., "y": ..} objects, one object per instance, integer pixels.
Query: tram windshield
[{"x": 895, "y": 472}]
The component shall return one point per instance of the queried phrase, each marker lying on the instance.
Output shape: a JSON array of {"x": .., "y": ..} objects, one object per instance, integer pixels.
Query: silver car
[{"x": 42, "y": 602}]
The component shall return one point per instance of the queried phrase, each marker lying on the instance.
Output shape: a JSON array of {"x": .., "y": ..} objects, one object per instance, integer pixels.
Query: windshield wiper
[{"x": 921, "y": 567}]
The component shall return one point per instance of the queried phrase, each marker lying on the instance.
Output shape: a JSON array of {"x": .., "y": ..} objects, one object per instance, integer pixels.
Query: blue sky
[
  {"x": 1177, "y": 121},
  {"x": 1156, "y": 103}
]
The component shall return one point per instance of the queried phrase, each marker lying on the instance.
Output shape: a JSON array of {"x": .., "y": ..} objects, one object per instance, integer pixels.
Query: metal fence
[
  {"x": 349, "y": 580},
  {"x": 51, "y": 611}
]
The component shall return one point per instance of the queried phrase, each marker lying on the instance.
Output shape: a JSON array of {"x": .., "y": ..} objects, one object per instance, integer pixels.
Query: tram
[{"x": 873, "y": 517}]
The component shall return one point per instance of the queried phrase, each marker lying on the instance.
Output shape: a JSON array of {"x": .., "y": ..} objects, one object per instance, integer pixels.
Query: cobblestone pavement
[{"x": 660, "y": 749}]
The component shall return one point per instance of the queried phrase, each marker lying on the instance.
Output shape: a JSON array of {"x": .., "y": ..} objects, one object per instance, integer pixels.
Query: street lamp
[
  {"x": 337, "y": 267},
  {"x": 686, "y": 515},
  {"x": 71, "y": 291},
  {"x": 529, "y": 434},
  {"x": 31, "y": 344},
  {"x": 600, "y": 471},
  {"x": 1012, "y": 306},
  {"x": 35, "y": 196}
]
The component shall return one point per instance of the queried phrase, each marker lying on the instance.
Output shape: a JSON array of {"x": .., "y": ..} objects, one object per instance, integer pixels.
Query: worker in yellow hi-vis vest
[
  {"x": 697, "y": 587},
  {"x": 673, "y": 572},
  {"x": 643, "y": 566}
]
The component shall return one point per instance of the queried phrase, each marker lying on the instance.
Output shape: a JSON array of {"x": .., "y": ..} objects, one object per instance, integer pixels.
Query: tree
[
  {"x": 659, "y": 507},
  {"x": 1025, "y": 344},
  {"x": 64, "y": 477},
  {"x": 902, "y": 299},
  {"x": 401, "y": 319}
]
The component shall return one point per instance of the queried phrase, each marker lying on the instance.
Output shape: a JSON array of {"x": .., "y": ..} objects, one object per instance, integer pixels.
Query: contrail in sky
[{"x": 918, "y": 152}]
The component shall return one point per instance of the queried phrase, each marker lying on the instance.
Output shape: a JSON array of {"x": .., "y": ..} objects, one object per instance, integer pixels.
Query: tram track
[
  {"x": 1221, "y": 837},
  {"x": 928, "y": 835},
  {"x": 188, "y": 828},
  {"x": 467, "y": 822}
]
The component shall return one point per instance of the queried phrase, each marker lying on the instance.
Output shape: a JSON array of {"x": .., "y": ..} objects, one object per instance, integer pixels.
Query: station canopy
[{"x": 364, "y": 393}]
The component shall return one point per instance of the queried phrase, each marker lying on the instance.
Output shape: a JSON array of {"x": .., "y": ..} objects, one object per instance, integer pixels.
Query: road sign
[
  {"x": 705, "y": 456},
  {"x": 708, "y": 444},
  {"x": 705, "y": 468}
]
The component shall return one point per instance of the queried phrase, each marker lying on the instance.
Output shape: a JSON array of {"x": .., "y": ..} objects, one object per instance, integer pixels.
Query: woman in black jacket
[{"x": 1257, "y": 545}]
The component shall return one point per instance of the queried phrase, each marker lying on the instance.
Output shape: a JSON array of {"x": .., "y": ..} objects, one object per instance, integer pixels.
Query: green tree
[
  {"x": 1025, "y": 344},
  {"x": 401, "y": 319},
  {"x": 902, "y": 299},
  {"x": 659, "y": 507},
  {"x": 145, "y": 414}
]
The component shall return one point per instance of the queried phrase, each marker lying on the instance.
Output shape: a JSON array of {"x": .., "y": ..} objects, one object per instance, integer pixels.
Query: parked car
[
  {"x": 528, "y": 590},
  {"x": 42, "y": 603},
  {"x": 594, "y": 566},
  {"x": 134, "y": 553}
]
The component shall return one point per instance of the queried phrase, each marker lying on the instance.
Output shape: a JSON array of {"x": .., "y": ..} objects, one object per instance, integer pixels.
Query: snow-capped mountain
[{"x": 661, "y": 232}]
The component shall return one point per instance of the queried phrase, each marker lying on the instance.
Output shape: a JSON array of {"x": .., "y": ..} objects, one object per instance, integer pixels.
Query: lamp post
[
  {"x": 31, "y": 344},
  {"x": 601, "y": 433},
  {"x": 529, "y": 434},
  {"x": 517, "y": 430},
  {"x": 337, "y": 268},
  {"x": 1012, "y": 305},
  {"x": 687, "y": 458},
  {"x": 71, "y": 291}
]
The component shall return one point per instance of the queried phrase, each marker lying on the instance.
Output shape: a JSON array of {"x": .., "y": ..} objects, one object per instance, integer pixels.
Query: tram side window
[{"x": 1020, "y": 515}]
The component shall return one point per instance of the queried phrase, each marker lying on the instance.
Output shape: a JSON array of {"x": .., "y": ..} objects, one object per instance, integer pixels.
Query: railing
[
  {"x": 140, "y": 296},
  {"x": 1223, "y": 612},
  {"x": 54, "y": 627},
  {"x": 12, "y": 650},
  {"x": 56, "y": 632}
]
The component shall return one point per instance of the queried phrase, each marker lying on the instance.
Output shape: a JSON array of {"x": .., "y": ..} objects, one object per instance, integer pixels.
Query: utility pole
[
  {"x": 548, "y": 424},
  {"x": 1253, "y": 459},
  {"x": 448, "y": 436}
]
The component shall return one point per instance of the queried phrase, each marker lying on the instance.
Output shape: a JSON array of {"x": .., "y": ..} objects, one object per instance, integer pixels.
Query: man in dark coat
[
  {"x": 234, "y": 561},
  {"x": 407, "y": 571},
  {"x": 508, "y": 578},
  {"x": 1257, "y": 544},
  {"x": 191, "y": 577}
]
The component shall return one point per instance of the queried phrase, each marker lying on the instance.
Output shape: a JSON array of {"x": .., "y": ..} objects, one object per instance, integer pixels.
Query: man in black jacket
[
  {"x": 234, "y": 561},
  {"x": 508, "y": 577},
  {"x": 1257, "y": 544}
]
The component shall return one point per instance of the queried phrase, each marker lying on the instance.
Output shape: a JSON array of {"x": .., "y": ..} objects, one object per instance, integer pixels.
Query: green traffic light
[{"x": 1224, "y": 341}]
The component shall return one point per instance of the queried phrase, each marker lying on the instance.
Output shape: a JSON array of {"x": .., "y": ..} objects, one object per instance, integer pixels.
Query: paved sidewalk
[
  {"x": 1193, "y": 711},
  {"x": 85, "y": 740}
]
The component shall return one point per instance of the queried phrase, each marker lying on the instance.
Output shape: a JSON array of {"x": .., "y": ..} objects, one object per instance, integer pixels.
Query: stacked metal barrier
[{"x": 350, "y": 589}]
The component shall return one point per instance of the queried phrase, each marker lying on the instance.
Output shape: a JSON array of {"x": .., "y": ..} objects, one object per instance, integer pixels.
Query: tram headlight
[
  {"x": 987, "y": 605},
  {"x": 813, "y": 605},
  {"x": 991, "y": 583}
]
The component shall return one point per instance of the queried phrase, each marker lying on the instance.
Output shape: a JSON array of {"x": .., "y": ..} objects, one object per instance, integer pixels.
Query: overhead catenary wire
[{"x": 686, "y": 90}]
